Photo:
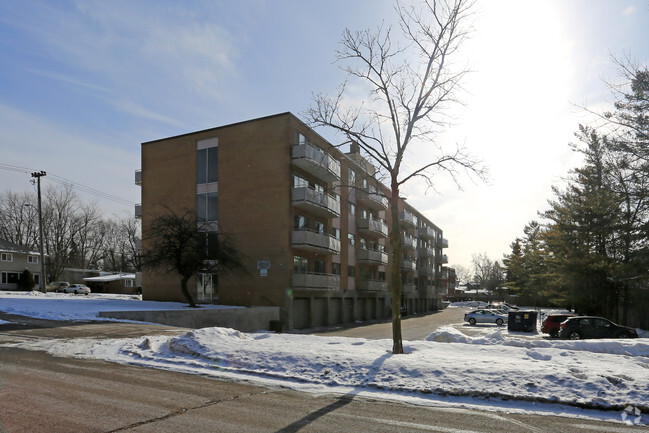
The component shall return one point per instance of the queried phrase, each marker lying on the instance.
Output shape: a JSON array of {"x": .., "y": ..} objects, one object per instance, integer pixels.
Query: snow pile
[
  {"x": 59, "y": 306},
  {"x": 594, "y": 374},
  {"x": 498, "y": 367}
]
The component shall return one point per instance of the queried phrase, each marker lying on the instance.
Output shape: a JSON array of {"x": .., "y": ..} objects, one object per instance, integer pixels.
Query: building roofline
[{"x": 216, "y": 128}]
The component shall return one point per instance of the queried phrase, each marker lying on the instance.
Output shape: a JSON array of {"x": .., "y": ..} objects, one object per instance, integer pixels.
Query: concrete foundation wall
[{"x": 242, "y": 319}]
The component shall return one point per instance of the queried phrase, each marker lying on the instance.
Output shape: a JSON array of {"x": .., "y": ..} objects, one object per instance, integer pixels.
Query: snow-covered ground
[{"x": 602, "y": 379}]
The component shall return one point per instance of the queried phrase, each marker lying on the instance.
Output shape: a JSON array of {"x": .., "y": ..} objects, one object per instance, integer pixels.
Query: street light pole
[{"x": 43, "y": 282}]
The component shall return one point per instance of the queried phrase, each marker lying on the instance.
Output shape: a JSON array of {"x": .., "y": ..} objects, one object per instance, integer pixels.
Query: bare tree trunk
[
  {"x": 397, "y": 258},
  {"x": 188, "y": 296}
]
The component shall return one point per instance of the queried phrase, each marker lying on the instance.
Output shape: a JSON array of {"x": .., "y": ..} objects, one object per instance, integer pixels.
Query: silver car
[
  {"x": 77, "y": 289},
  {"x": 485, "y": 316}
]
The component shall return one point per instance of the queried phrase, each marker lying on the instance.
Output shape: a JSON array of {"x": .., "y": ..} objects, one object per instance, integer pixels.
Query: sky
[
  {"x": 533, "y": 374},
  {"x": 84, "y": 83}
]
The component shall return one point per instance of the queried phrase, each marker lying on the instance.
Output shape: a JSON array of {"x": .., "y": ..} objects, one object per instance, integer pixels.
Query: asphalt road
[{"x": 41, "y": 393}]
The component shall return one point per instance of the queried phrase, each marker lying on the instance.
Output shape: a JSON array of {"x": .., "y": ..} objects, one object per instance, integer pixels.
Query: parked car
[
  {"x": 77, "y": 289},
  {"x": 576, "y": 328},
  {"x": 502, "y": 306},
  {"x": 485, "y": 316},
  {"x": 57, "y": 286},
  {"x": 552, "y": 323}
]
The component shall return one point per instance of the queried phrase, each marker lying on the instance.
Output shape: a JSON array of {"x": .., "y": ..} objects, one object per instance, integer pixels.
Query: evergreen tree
[{"x": 26, "y": 281}]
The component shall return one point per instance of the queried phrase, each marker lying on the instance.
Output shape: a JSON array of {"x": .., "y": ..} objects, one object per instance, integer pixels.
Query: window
[
  {"x": 300, "y": 265},
  {"x": 300, "y": 139},
  {"x": 351, "y": 271},
  {"x": 32, "y": 259},
  {"x": 319, "y": 227},
  {"x": 6, "y": 257},
  {"x": 207, "y": 206},
  {"x": 9, "y": 278},
  {"x": 336, "y": 233},
  {"x": 335, "y": 268},
  {"x": 301, "y": 222},
  {"x": 128, "y": 283},
  {"x": 352, "y": 209},
  {"x": 206, "y": 165},
  {"x": 351, "y": 239},
  {"x": 363, "y": 244},
  {"x": 299, "y": 181},
  {"x": 319, "y": 267},
  {"x": 352, "y": 177}
]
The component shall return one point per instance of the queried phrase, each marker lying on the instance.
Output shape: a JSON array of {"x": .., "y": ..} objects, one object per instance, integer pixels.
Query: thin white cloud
[
  {"x": 629, "y": 10},
  {"x": 30, "y": 141}
]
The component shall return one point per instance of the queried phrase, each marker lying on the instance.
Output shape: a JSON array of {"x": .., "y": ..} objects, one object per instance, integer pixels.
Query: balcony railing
[
  {"x": 427, "y": 290},
  {"x": 442, "y": 243},
  {"x": 408, "y": 265},
  {"x": 138, "y": 177},
  {"x": 378, "y": 257},
  {"x": 319, "y": 203},
  {"x": 425, "y": 251},
  {"x": 314, "y": 241},
  {"x": 372, "y": 285},
  {"x": 426, "y": 270},
  {"x": 442, "y": 258},
  {"x": 408, "y": 288},
  {"x": 374, "y": 226},
  {"x": 426, "y": 232},
  {"x": 409, "y": 242},
  {"x": 316, "y": 161},
  {"x": 408, "y": 218},
  {"x": 373, "y": 199},
  {"x": 315, "y": 281}
]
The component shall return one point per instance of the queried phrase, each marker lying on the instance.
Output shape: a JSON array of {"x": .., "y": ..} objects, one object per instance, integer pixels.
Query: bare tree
[
  {"x": 19, "y": 218},
  {"x": 411, "y": 85},
  {"x": 181, "y": 245},
  {"x": 462, "y": 274},
  {"x": 89, "y": 231}
]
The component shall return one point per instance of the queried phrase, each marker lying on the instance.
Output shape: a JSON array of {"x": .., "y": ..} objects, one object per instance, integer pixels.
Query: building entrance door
[{"x": 205, "y": 289}]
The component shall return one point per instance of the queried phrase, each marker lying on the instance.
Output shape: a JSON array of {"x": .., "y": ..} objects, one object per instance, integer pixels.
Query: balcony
[
  {"x": 372, "y": 285},
  {"x": 425, "y": 232},
  {"x": 138, "y": 211},
  {"x": 315, "y": 281},
  {"x": 426, "y": 271},
  {"x": 372, "y": 256},
  {"x": 442, "y": 243},
  {"x": 373, "y": 199},
  {"x": 138, "y": 177},
  {"x": 408, "y": 218},
  {"x": 408, "y": 265},
  {"x": 426, "y": 252},
  {"x": 409, "y": 242},
  {"x": 316, "y": 161},
  {"x": 315, "y": 202},
  {"x": 443, "y": 258},
  {"x": 372, "y": 226},
  {"x": 408, "y": 288},
  {"x": 313, "y": 241}
]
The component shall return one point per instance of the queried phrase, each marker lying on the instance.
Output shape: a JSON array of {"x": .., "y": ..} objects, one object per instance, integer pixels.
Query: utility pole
[{"x": 43, "y": 281}]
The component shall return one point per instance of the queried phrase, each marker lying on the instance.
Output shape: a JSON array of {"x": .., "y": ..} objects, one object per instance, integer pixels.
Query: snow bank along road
[{"x": 495, "y": 370}]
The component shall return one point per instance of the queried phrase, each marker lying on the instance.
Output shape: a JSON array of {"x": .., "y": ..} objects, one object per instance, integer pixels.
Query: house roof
[
  {"x": 112, "y": 277},
  {"x": 10, "y": 247}
]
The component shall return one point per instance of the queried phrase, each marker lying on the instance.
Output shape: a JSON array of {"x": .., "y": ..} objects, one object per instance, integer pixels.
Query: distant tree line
[
  {"x": 76, "y": 233},
  {"x": 590, "y": 250}
]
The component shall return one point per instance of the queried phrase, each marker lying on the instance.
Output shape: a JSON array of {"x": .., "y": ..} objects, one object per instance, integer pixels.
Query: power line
[{"x": 63, "y": 181}]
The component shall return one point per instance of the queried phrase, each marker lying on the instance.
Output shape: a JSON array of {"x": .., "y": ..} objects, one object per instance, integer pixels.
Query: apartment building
[{"x": 311, "y": 222}]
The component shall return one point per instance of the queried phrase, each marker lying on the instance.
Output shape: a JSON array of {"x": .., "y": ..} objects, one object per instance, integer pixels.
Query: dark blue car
[{"x": 576, "y": 328}]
